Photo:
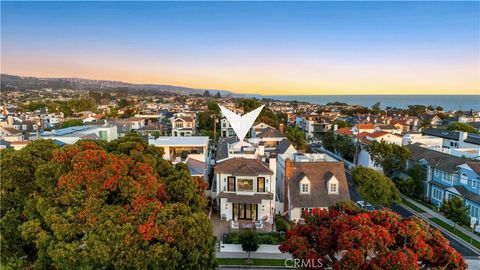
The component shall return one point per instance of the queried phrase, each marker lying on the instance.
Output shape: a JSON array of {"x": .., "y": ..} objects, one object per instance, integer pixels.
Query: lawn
[
  {"x": 457, "y": 232},
  {"x": 243, "y": 261},
  {"x": 413, "y": 206}
]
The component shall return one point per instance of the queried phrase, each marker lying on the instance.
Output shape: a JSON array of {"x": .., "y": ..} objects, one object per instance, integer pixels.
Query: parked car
[{"x": 367, "y": 207}]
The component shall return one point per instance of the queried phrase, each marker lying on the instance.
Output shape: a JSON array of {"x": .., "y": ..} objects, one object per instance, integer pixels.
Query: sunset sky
[{"x": 284, "y": 48}]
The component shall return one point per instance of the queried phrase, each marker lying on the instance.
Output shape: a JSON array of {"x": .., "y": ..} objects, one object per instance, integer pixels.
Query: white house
[{"x": 245, "y": 189}]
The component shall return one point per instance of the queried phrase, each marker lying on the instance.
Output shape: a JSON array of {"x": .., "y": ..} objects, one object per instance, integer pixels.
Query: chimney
[
  {"x": 288, "y": 167},
  {"x": 282, "y": 128},
  {"x": 335, "y": 127},
  {"x": 261, "y": 149},
  {"x": 272, "y": 164}
]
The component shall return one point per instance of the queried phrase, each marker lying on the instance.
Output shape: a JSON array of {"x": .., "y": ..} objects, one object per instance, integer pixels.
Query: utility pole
[{"x": 214, "y": 127}]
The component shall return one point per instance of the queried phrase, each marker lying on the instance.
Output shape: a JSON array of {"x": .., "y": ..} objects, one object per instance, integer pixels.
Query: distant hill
[{"x": 12, "y": 82}]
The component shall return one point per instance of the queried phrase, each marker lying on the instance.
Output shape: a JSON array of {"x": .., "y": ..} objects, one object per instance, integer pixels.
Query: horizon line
[{"x": 232, "y": 91}]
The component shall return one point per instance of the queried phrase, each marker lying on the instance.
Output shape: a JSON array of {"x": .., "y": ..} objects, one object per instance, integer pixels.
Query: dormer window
[
  {"x": 305, "y": 188},
  {"x": 332, "y": 185},
  {"x": 333, "y": 188}
]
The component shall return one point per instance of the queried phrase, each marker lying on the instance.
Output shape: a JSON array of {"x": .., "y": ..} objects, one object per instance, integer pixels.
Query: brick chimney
[
  {"x": 288, "y": 167},
  {"x": 282, "y": 128}
]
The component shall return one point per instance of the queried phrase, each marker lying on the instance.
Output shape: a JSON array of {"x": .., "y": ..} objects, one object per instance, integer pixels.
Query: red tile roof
[{"x": 347, "y": 131}]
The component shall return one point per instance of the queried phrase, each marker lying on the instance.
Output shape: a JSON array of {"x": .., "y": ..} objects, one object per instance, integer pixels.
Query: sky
[{"x": 269, "y": 48}]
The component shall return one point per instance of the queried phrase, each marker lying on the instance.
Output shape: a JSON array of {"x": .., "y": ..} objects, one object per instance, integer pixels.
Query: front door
[{"x": 245, "y": 211}]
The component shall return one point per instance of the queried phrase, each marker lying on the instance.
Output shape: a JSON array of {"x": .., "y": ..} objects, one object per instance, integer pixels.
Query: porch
[{"x": 222, "y": 227}]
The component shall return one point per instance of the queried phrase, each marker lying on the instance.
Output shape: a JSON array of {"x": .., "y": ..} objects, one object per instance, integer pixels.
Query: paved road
[{"x": 464, "y": 250}]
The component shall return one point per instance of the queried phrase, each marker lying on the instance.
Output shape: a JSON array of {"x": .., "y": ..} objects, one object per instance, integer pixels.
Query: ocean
[{"x": 448, "y": 102}]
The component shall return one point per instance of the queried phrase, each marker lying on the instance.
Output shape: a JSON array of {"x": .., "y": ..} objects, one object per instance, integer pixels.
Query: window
[
  {"x": 474, "y": 183},
  {"x": 464, "y": 178},
  {"x": 179, "y": 125},
  {"x": 305, "y": 188},
  {"x": 231, "y": 183},
  {"x": 333, "y": 188},
  {"x": 261, "y": 184},
  {"x": 437, "y": 194},
  {"x": 103, "y": 135},
  {"x": 472, "y": 210},
  {"x": 245, "y": 185}
]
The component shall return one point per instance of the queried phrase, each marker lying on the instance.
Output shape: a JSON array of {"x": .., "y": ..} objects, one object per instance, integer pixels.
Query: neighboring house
[
  {"x": 312, "y": 185},
  {"x": 8, "y": 132},
  {"x": 71, "y": 135},
  {"x": 270, "y": 137},
  {"x": 226, "y": 129},
  {"x": 152, "y": 130},
  {"x": 183, "y": 124},
  {"x": 179, "y": 149},
  {"x": 448, "y": 176},
  {"x": 433, "y": 120},
  {"x": 245, "y": 189},
  {"x": 314, "y": 125},
  {"x": 458, "y": 143},
  {"x": 416, "y": 137}
]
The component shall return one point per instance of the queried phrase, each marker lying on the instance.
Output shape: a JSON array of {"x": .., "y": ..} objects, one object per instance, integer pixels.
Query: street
[{"x": 464, "y": 250}]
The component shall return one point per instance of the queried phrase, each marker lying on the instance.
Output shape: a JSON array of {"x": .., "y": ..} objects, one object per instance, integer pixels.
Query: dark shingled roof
[
  {"x": 475, "y": 166},
  {"x": 270, "y": 132},
  {"x": 318, "y": 173},
  {"x": 436, "y": 159},
  {"x": 196, "y": 167},
  {"x": 282, "y": 146},
  {"x": 222, "y": 147},
  {"x": 468, "y": 194},
  {"x": 452, "y": 135},
  {"x": 256, "y": 198},
  {"x": 243, "y": 167}
]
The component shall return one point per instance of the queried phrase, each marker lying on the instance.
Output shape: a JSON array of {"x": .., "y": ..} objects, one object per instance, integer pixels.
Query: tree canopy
[
  {"x": 297, "y": 137},
  {"x": 114, "y": 205},
  {"x": 462, "y": 127},
  {"x": 455, "y": 210},
  {"x": 391, "y": 157},
  {"x": 374, "y": 187},
  {"x": 346, "y": 237}
]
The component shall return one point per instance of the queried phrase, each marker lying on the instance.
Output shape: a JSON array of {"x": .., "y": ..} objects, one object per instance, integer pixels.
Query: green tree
[
  {"x": 114, "y": 205},
  {"x": 341, "y": 124},
  {"x": 249, "y": 241},
  {"x": 455, "y": 210},
  {"x": 297, "y": 137},
  {"x": 391, "y": 157},
  {"x": 374, "y": 187},
  {"x": 462, "y": 127},
  {"x": 71, "y": 123}
]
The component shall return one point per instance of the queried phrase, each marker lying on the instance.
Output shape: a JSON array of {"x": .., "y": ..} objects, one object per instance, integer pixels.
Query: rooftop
[{"x": 180, "y": 141}]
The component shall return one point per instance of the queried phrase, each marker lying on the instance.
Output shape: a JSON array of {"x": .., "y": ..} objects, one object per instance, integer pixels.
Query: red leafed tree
[
  {"x": 112, "y": 206},
  {"x": 345, "y": 237}
]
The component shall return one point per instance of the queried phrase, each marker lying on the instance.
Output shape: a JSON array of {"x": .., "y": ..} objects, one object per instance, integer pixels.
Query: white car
[{"x": 367, "y": 207}]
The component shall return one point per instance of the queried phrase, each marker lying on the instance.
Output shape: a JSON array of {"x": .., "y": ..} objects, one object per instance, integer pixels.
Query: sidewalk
[
  {"x": 439, "y": 216},
  {"x": 254, "y": 255}
]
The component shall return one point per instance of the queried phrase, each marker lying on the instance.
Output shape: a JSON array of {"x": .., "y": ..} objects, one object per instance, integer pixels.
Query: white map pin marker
[{"x": 241, "y": 124}]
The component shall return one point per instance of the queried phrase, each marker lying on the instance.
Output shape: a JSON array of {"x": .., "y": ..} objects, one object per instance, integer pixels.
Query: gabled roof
[
  {"x": 270, "y": 132},
  {"x": 347, "y": 131},
  {"x": 243, "y": 167},
  {"x": 318, "y": 173},
  {"x": 222, "y": 147},
  {"x": 282, "y": 147},
  {"x": 436, "y": 159},
  {"x": 475, "y": 166},
  {"x": 12, "y": 130},
  {"x": 196, "y": 167},
  {"x": 366, "y": 126}
]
